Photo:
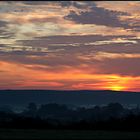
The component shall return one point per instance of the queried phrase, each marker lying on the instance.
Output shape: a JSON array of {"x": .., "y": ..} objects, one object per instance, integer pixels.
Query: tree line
[{"x": 58, "y": 116}]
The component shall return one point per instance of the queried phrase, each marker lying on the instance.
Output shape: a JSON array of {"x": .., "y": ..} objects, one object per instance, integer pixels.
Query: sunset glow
[
  {"x": 70, "y": 45},
  {"x": 117, "y": 87}
]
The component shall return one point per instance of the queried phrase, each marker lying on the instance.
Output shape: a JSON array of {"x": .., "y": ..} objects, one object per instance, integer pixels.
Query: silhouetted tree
[
  {"x": 56, "y": 116},
  {"x": 31, "y": 110}
]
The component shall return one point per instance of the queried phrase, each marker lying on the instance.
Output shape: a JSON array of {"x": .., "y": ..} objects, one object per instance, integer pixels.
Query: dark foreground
[{"x": 65, "y": 134}]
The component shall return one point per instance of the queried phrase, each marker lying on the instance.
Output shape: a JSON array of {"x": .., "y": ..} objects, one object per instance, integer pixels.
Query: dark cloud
[
  {"x": 3, "y": 23},
  {"x": 119, "y": 47},
  {"x": 45, "y": 41},
  {"x": 22, "y": 52},
  {"x": 46, "y": 19},
  {"x": 36, "y": 2},
  {"x": 77, "y": 44},
  {"x": 136, "y": 28},
  {"x": 116, "y": 48},
  {"x": 64, "y": 4},
  {"x": 53, "y": 63},
  {"x": 58, "y": 62},
  {"x": 3, "y": 45},
  {"x": 76, "y": 4},
  {"x": 98, "y": 16},
  {"x": 4, "y": 34},
  {"x": 41, "y": 46},
  {"x": 122, "y": 66}
]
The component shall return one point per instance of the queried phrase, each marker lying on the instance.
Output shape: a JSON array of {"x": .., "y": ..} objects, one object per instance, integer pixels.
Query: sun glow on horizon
[
  {"x": 117, "y": 88},
  {"x": 119, "y": 83}
]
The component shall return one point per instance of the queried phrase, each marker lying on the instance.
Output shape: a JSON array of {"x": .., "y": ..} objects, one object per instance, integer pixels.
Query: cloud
[
  {"x": 2, "y": 45},
  {"x": 3, "y": 23},
  {"x": 66, "y": 40},
  {"x": 5, "y": 34},
  {"x": 35, "y": 2},
  {"x": 98, "y": 16},
  {"x": 122, "y": 66},
  {"x": 63, "y": 45},
  {"x": 77, "y": 4},
  {"x": 125, "y": 64},
  {"x": 132, "y": 7}
]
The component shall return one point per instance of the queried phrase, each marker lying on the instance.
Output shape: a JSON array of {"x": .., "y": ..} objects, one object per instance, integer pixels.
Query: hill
[{"x": 19, "y": 98}]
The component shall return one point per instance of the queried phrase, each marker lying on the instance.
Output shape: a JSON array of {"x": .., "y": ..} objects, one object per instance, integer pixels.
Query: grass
[{"x": 24, "y": 134}]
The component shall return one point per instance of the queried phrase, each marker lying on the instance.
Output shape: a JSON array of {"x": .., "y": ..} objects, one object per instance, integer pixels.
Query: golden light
[
  {"x": 117, "y": 87},
  {"x": 118, "y": 83}
]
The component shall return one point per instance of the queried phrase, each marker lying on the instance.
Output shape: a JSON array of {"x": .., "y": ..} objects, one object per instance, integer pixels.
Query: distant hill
[{"x": 20, "y": 98}]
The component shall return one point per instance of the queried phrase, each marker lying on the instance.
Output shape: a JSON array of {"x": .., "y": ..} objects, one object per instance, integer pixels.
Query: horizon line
[{"x": 64, "y": 90}]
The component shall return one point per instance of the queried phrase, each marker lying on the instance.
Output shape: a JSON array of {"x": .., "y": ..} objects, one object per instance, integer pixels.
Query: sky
[{"x": 70, "y": 45}]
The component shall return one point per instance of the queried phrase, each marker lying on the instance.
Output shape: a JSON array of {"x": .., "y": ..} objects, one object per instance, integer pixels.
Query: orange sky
[
  {"x": 20, "y": 77},
  {"x": 70, "y": 45}
]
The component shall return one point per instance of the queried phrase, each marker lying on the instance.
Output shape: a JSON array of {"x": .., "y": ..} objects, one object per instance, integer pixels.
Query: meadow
[{"x": 25, "y": 134}]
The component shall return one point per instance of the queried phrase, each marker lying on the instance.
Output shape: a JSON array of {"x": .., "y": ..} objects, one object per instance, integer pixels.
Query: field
[{"x": 65, "y": 134}]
